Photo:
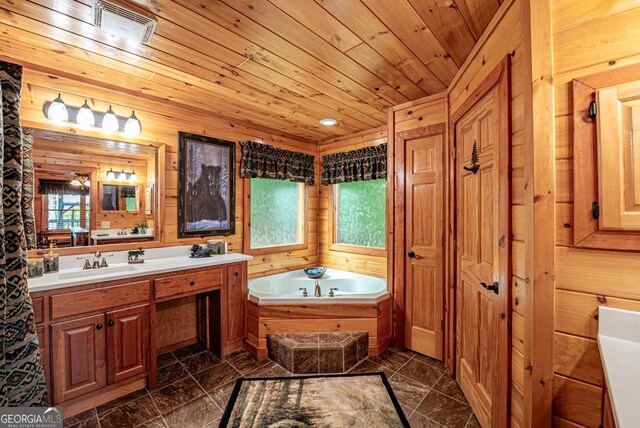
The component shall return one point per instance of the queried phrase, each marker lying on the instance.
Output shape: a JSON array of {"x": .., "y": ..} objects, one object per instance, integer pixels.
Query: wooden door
[
  {"x": 236, "y": 305},
  {"x": 424, "y": 241},
  {"x": 78, "y": 357},
  {"x": 127, "y": 342},
  {"x": 483, "y": 204}
]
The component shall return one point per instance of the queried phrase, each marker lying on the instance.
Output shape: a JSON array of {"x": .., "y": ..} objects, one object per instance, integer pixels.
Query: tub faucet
[{"x": 318, "y": 292}]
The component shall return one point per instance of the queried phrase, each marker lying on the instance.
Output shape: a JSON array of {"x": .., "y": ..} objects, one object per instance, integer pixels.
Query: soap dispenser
[{"x": 51, "y": 261}]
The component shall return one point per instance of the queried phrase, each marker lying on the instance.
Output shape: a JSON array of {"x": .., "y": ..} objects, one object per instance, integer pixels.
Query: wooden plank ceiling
[{"x": 277, "y": 64}]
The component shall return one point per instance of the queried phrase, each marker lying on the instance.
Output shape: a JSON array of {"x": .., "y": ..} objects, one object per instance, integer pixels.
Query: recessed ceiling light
[{"x": 328, "y": 122}]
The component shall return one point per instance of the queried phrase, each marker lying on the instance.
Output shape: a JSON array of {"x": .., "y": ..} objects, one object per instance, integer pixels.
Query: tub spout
[{"x": 318, "y": 292}]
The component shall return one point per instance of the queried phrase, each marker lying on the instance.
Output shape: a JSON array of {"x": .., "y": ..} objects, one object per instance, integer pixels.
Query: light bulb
[
  {"x": 111, "y": 175},
  {"x": 132, "y": 127},
  {"x": 122, "y": 176},
  {"x": 133, "y": 176},
  {"x": 75, "y": 182},
  {"x": 110, "y": 122},
  {"x": 85, "y": 117},
  {"x": 57, "y": 111},
  {"x": 87, "y": 183},
  {"x": 328, "y": 122}
]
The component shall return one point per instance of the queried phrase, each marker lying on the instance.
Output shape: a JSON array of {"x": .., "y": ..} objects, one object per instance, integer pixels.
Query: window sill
[
  {"x": 367, "y": 251},
  {"x": 276, "y": 249}
]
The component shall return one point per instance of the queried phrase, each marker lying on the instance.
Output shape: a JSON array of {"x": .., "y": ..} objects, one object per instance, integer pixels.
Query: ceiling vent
[{"x": 121, "y": 22}]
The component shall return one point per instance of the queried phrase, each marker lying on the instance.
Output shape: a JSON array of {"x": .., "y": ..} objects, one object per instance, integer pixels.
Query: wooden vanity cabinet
[
  {"x": 236, "y": 330},
  {"x": 127, "y": 342},
  {"x": 78, "y": 362}
]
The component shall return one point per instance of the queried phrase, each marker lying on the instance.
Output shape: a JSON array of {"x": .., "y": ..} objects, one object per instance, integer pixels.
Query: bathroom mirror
[
  {"x": 119, "y": 198},
  {"x": 94, "y": 192}
]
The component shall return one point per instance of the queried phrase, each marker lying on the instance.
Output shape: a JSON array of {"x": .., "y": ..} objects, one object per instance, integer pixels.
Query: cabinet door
[
  {"x": 236, "y": 303},
  {"x": 78, "y": 357},
  {"x": 127, "y": 342}
]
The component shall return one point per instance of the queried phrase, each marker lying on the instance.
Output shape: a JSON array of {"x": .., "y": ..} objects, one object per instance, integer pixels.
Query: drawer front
[
  {"x": 98, "y": 299},
  {"x": 187, "y": 283},
  {"x": 38, "y": 309}
]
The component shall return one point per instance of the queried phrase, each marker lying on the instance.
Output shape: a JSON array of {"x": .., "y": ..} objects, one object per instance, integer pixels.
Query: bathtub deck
[{"x": 318, "y": 353}]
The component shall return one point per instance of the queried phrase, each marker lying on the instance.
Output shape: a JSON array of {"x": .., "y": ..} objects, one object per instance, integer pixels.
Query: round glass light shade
[
  {"x": 111, "y": 175},
  {"x": 110, "y": 122},
  {"x": 328, "y": 122},
  {"x": 122, "y": 176},
  {"x": 85, "y": 117},
  {"x": 75, "y": 182},
  {"x": 57, "y": 111},
  {"x": 132, "y": 127},
  {"x": 87, "y": 183},
  {"x": 133, "y": 176}
]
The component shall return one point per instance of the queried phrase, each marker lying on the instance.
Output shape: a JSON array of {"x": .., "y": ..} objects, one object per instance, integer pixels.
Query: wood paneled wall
[
  {"x": 504, "y": 37},
  {"x": 160, "y": 125},
  {"x": 352, "y": 261},
  {"x": 589, "y": 36}
]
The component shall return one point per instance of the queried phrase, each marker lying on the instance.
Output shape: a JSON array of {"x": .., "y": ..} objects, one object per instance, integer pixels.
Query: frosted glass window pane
[
  {"x": 361, "y": 213},
  {"x": 276, "y": 214}
]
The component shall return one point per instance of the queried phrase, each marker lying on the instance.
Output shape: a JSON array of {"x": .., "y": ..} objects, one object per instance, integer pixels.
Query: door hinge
[
  {"x": 593, "y": 110},
  {"x": 595, "y": 210}
]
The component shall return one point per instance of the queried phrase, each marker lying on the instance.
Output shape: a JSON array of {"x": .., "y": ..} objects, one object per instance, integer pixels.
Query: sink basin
[{"x": 79, "y": 273}]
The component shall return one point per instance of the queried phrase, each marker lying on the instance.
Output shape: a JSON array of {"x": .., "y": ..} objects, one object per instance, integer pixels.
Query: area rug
[{"x": 345, "y": 400}]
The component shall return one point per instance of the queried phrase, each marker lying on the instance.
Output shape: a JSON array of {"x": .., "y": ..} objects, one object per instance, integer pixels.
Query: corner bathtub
[
  {"x": 276, "y": 306},
  {"x": 284, "y": 288}
]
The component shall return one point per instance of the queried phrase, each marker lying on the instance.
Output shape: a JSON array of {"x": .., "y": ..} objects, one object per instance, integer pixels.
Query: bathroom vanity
[{"x": 98, "y": 328}]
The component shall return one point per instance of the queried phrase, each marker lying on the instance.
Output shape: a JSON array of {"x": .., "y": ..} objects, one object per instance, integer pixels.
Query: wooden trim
[
  {"x": 419, "y": 101},
  {"x": 399, "y": 257},
  {"x": 246, "y": 235},
  {"x": 500, "y": 76},
  {"x": 354, "y": 135},
  {"x": 333, "y": 246},
  {"x": 539, "y": 176},
  {"x": 450, "y": 228},
  {"x": 390, "y": 244},
  {"x": 586, "y": 230}
]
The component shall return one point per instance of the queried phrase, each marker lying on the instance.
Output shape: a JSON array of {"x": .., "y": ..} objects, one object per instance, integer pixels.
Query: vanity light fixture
[
  {"x": 110, "y": 122},
  {"x": 328, "y": 122},
  {"x": 85, "y": 118},
  {"x": 57, "y": 111},
  {"x": 133, "y": 176},
  {"x": 132, "y": 127},
  {"x": 122, "y": 176},
  {"x": 111, "y": 175}
]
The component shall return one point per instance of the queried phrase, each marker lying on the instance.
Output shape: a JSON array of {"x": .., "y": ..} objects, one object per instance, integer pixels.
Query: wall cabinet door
[
  {"x": 236, "y": 303},
  {"x": 127, "y": 342},
  {"x": 78, "y": 357}
]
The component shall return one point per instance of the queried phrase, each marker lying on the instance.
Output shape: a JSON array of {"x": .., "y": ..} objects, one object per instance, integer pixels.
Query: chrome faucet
[
  {"x": 96, "y": 260},
  {"x": 318, "y": 292}
]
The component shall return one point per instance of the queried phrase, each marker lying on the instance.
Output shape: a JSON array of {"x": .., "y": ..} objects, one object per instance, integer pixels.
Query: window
[
  {"x": 277, "y": 211},
  {"x": 66, "y": 211},
  {"x": 359, "y": 215}
]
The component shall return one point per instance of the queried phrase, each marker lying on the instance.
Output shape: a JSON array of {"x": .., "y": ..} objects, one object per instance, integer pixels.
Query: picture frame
[{"x": 206, "y": 186}]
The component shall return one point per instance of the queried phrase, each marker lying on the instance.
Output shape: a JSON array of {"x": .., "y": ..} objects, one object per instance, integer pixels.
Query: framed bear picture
[{"x": 206, "y": 186}]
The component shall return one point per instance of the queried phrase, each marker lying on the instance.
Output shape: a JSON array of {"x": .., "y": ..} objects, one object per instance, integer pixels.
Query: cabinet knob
[
  {"x": 111, "y": 323},
  {"x": 99, "y": 327},
  {"x": 236, "y": 274},
  {"x": 192, "y": 283}
]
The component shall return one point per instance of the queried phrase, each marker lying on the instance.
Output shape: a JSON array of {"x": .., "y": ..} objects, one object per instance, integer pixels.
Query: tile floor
[{"x": 194, "y": 386}]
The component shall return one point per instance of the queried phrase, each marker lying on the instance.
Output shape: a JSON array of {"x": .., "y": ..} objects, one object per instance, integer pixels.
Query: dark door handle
[
  {"x": 111, "y": 323},
  {"x": 99, "y": 327},
  {"x": 411, "y": 255},
  {"x": 493, "y": 287}
]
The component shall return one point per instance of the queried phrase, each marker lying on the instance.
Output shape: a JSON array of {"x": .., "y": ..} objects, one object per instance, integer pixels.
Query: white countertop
[
  {"x": 156, "y": 261},
  {"x": 619, "y": 343},
  {"x": 105, "y": 235}
]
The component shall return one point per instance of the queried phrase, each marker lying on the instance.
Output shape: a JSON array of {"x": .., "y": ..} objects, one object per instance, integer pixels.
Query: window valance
[
  {"x": 368, "y": 163},
  {"x": 58, "y": 187},
  {"x": 264, "y": 161}
]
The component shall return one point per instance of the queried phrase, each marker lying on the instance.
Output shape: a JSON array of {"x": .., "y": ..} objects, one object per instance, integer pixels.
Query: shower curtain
[{"x": 22, "y": 381}]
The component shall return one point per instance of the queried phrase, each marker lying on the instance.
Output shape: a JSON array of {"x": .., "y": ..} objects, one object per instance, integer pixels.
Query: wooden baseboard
[{"x": 91, "y": 400}]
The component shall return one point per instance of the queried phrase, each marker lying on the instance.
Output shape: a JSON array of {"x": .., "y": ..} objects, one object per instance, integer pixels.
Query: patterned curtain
[
  {"x": 21, "y": 372},
  {"x": 368, "y": 163},
  {"x": 28, "y": 216},
  {"x": 264, "y": 161},
  {"x": 58, "y": 187}
]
